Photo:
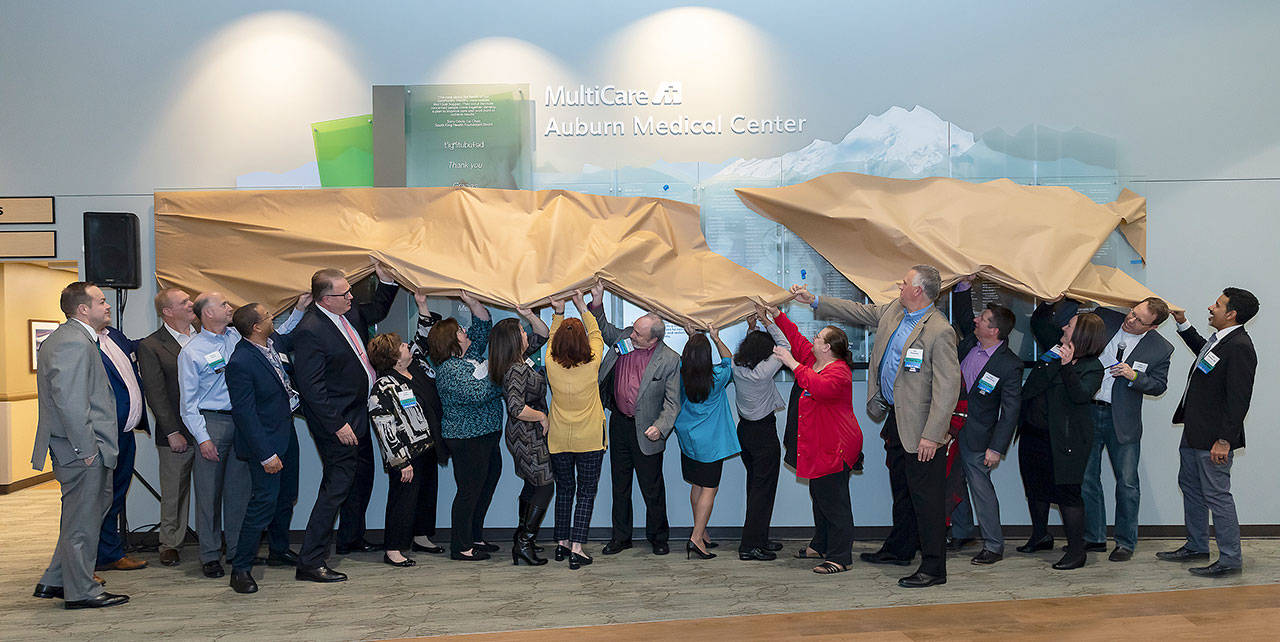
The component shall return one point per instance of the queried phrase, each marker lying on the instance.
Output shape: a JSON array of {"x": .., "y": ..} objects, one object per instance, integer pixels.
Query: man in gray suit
[
  {"x": 913, "y": 386},
  {"x": 1138, "y": 361},
  {"x": 77, "y": 427},
  {"x": 175, "y": 447},
  {"x": 640, "y": 384}
]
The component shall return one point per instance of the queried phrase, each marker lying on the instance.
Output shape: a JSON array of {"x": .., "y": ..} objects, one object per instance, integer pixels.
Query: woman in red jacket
[{"x": 829, "y": 438}]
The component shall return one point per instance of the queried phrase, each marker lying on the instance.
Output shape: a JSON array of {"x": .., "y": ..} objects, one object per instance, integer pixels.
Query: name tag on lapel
[
  {"x": 1208, "y": 363},
  {"x": 624, "y": 346},
  {"x": 1139, "y": 366},
  {"x": 215, "y": 361},
  {"x": 481, "y": 371},
  {"x": 913, "y": 359},
  {"x": 407, "y": 400},
  {"x": 987, "y": 383}
]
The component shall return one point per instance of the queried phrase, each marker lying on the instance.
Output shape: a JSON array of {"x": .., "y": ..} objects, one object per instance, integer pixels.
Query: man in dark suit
[
  {"x": 1212, "y": 413},
  {"x": 1137, "y": 358},
  {"x": 991, "y": 377},
  {"x": 640, "y": 384},
  {"x": 334, "y": 378},
  {"x": 119, "y": 357},
  {"x": 262, "y": 405},
  {"x": 77, "y": 427},
  {"x": 158, "y": 365}
]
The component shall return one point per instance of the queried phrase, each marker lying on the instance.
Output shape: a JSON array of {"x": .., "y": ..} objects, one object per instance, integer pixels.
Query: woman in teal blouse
[{"x": 705, "y": 429}]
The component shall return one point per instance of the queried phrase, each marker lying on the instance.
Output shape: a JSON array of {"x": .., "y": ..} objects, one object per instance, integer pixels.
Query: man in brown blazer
[
  {"x": 913, "y": 385},
  {"x": 175, "y": 448}
]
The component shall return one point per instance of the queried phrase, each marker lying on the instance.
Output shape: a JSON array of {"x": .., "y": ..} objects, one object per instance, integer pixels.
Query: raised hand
[
  {"x": 304, "y": 300},
  {"x": 802, "y": 294},
  {"x": 420, "y": 298},
  {"x": 1180, "y": 317},
  {"x": 383, "y": 273},
  {"x": 597, "y": 293},
  {"x": 579, "y": 302},
  {"x": 557, "y": 304}
]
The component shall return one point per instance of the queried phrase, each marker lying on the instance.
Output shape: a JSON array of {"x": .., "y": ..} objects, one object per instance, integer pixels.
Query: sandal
[
  {"x": 829, "y": 568},
  {"x": 802, "y": 554}
]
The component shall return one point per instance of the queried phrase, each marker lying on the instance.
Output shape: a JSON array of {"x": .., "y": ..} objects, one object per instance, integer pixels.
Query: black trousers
[
  {"x": 351, "y": 526},
  {"x": 411, "y": 507},
  {"x": 626, "y": 459},
  {"x": 761, "y": 456},
  {"x": 477, "y": 465},
  {"x": 919, "y": 503},
  {"x": 270, "y": 508},
  {"x": 832, "y": 517},
  {"x": 339, "y": 462}
]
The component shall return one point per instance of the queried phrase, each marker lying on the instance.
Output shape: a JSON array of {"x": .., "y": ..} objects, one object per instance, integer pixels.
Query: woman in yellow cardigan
[{"x": 575, "y": 437}]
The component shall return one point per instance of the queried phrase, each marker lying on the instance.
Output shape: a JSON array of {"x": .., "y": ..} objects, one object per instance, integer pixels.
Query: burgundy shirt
[{"x": 627, "y": 376}]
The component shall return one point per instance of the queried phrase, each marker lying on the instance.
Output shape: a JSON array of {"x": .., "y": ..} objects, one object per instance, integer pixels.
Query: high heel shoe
[
  {"x": 577, "y": 561},
  {"x": 1044, "y": 543},
  {"x": 690, "y": 550},
  {"x": 562, "y": 552}
]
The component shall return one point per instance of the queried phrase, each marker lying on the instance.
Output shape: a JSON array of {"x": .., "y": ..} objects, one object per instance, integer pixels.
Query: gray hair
[
  {"x": 927, "y": 277},
  {"x": 657, "y": 329}
]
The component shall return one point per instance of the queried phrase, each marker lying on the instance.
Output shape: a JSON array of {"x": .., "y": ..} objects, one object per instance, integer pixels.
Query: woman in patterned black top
[
  {"x": 524, "y": 389},
  {"x": 471, "y": 426}
]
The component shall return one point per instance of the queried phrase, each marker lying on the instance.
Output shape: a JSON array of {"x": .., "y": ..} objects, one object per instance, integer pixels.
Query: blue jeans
[{"x": 1124, "y": 463}]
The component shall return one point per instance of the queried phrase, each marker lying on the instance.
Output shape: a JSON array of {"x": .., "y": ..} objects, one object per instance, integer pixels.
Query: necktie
[
  {"x": 1213, "y": 338},
  {"x": 355, "y": 341}
]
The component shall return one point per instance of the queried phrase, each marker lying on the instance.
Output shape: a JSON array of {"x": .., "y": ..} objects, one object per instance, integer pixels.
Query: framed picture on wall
[{"x": 40, "y": 330}]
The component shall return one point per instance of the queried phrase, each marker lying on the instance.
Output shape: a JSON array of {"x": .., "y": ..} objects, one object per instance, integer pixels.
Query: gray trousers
[
  {"x": 175, "y": 494},
  {"x": 986, "y": 505},
  {"x": 223, "y": 489},
  {"x": 1206, "y": 486},
  {"x": 86, "y": 498}
]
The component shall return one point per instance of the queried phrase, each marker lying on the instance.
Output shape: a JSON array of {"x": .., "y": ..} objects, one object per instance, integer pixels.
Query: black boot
[
  {"x": 1040, "y": 539},
  {"x": 530, "y": 520},
  {"x": 1073, "y": 524}
]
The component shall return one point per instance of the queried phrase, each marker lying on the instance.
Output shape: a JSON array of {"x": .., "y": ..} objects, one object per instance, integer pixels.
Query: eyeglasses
[
  {"x": 1135, "y": 317},
  {"x": 341, "y": 294}
]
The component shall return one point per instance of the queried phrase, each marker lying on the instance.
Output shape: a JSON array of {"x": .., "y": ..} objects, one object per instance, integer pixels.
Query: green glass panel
[{"x": 344, "y": 151}]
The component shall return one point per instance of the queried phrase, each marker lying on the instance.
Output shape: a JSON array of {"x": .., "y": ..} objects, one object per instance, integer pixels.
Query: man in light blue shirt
[
  {"x": 892, "y": 361},
  {"x": 221, "y": 480}
]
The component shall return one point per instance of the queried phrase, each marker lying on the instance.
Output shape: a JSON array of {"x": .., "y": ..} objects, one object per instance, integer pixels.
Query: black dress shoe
[
  {"x": 1121, "y": 554},
  {"x": 46, "y": 592},
  {"x": 242, "y": 582},
  {"x": 358, "y": 546},
  {"x": 577, "y": 561},
  {"x": 405, "y": 563},
  {"x": 283, "y": 558},
  {"x": 1183, "y": 554},
  {"x": 486, "y": 547},
  {"x": 475, "y": 556},
  {"x": 563, "y": 552},
  {"x": 661, "y": 548},
  {"x": 882, "y": 557},
  {"x": 1044, "y": 543},
  {"x": 101, "y": 600},
  {"x": 986, "y": 557},
  {"x": 958, "y": 543},
  {"x": 757, "y": 554},
  {"x": 320, "y": 573},
  {"x": 434, "y": 550},
  {"x": 213, "y": 569},
  {"x": 920, "y": 580},
  {"x": 1215, "y": 569},
  {"x": 612, "y": 548},
  {"x": 1070, "y": 562},
  {"x": 773, "y": 546}
]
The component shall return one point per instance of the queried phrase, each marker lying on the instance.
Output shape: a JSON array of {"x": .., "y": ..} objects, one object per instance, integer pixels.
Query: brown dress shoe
[
  {"x": 170, "y": 557},
  {"x": 125, "y": 563}
]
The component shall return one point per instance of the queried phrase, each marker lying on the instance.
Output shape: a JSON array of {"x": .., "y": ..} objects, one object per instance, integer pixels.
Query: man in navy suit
[
  {"x": 121, "y": 362},
  {"x": 1212, "y": 413},
  {"x": 262, "y": 405},
  {"x": 334, "y": 378}
]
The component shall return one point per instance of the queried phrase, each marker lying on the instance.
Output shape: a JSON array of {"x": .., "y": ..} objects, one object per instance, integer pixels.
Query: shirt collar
[
  {"x": 189, "y": 333},
  {"x": 916, "y": 316},
  {"x": 1222, "y": 334},
  {"x": 992, "y": 350},
  {"x": 336, "y": 318},
  {"x": 93, "y": 333}
]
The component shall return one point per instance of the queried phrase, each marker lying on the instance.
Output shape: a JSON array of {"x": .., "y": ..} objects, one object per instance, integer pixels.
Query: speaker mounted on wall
[{"x": 111, "y": 252}]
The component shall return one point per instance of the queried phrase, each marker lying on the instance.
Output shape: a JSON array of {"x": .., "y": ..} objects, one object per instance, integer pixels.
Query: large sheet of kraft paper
[
  {"x": 508, "y": 247},
  {"x": 1034, "y": 239}
]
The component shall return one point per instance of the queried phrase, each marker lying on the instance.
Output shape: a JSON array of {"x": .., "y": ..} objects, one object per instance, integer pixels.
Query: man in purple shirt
[{"x": 992, "y": 388}]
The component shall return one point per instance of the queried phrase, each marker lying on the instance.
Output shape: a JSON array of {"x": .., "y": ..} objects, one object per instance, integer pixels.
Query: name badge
[
  {"x": 987, "y": 383},
  {"x": 1139, "y": 366},
  {"x": 913, "y": 359},
  {"x": 530, "y": 363},
  {"x": 284, "y": 358},
  {"x": 1051, "y": 354},
  {"x": 481, "y": 371},
  {"x": 407, "y": 400},
  {"x": 215, "y": 361},
  {"x": 1207, "y": 364},
  {"x": 624, "y": 346}
]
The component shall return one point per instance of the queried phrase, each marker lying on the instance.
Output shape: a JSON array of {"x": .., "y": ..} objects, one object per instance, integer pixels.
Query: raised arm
[{"x": 801, "y": 349}]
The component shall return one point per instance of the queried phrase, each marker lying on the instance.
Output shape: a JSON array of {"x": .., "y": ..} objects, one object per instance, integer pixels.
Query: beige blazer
[{"x": 923, "y": 401}]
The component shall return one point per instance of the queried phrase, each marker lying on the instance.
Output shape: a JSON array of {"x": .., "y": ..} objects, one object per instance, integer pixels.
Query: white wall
[{"x": 116, "y": 101}]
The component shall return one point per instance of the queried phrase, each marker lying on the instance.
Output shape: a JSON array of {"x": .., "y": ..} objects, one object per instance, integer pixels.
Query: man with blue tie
[
  {"x": 121, "y": 362},
  {"x": 262, "y": 404},
  {"x": 221, "y": 479}
]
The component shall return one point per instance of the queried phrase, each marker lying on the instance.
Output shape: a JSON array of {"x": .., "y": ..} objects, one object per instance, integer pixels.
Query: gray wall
[{"x": 116, "y": 101}]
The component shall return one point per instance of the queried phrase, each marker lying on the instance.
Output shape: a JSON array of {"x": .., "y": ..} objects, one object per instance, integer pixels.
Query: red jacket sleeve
[
  {"x": 833, "y": 383},
  {"x": 801, "y": 348}
]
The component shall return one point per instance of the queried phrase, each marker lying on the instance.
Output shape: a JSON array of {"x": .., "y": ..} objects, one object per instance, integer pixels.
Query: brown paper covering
[
  {"x": 1034, "y": 239},
  {"x": 509, "y": 247}
]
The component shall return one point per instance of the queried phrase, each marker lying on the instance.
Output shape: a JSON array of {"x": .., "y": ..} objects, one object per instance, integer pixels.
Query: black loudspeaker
[{"x": 111, "y": 253}]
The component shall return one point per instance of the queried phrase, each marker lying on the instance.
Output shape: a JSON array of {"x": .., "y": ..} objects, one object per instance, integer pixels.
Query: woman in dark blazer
[{"x": 1056, "y": 428}]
